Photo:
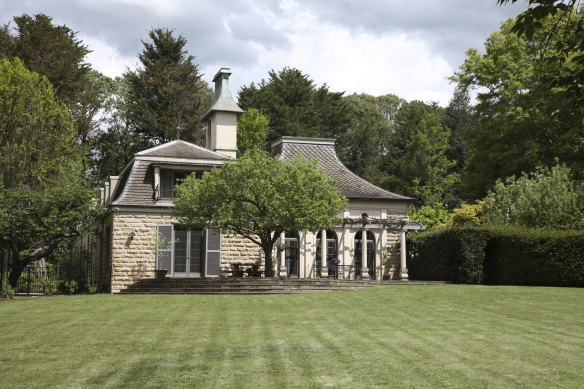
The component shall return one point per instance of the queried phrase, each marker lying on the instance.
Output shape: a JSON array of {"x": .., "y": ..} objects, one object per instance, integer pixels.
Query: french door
[{"x": 188, "y": 252}]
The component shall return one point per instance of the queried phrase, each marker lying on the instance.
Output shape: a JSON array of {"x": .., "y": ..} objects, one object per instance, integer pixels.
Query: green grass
[{"x": 389, "y": 336}]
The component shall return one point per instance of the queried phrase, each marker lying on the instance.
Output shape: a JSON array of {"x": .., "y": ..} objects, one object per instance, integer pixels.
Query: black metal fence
[
  {"x": 76, "y": 268},
  {"x": 334, "y": 271},
  {"x": 38, "y": 279}
]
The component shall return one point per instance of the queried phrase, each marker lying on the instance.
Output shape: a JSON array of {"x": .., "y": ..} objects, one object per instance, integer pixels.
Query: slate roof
[
  {"x": 181, "y": 149},
  {"x": 136, "y": 186},
  {"x": 323, "y": 152}
]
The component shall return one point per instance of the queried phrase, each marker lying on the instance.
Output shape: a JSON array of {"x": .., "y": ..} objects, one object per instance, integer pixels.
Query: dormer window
[{"x": 169, "y": 179}]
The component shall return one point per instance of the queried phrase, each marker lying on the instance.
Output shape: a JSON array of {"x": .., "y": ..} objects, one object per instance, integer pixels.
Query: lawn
[{"x": 440, "y": 336}]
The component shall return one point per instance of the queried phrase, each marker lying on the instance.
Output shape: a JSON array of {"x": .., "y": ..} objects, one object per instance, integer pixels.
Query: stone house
[{"x": 140, "y": 235}]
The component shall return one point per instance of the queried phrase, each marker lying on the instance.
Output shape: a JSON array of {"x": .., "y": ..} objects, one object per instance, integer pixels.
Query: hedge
[
  {"x": 499, "y": 255},
  {"x": 453, "y": 254}
]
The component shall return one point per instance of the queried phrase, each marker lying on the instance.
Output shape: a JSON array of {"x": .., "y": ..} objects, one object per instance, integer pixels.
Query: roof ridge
[{"x": 176, "y": 141}]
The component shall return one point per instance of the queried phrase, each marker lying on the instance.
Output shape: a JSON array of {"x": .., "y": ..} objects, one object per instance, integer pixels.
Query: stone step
[{"x": 241, "y": 286}]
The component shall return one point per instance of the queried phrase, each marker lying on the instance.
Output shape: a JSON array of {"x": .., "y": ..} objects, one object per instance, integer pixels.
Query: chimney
[{"x": 221, "y": 118}]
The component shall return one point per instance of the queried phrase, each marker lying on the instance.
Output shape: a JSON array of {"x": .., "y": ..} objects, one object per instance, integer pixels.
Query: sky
[{"x": 357, "y": 46}]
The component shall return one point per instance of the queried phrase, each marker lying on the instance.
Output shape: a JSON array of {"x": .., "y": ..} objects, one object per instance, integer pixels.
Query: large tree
[
  {"x": 295, "y": 106},
  {"x": 56, "y": 53},
  {"x": 50, "y": 50},
  {"x": 522, "y": 118},
  {"x": 567, "y": 33},
  {"x": 167, "y": 97},
  {"x": 259, "y": 197},
  {"x": 115, "y": 143},
  {"x": 369, "y": 134},
  {"x": 44, "y": 198}
]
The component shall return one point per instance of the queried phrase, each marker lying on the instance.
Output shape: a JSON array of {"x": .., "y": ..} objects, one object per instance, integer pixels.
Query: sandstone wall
[
  {"x": 393, "y": 243},
  {"x": 134, "y": 258}
]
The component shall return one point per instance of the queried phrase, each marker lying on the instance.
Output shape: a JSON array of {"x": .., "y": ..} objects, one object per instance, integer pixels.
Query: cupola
[{"x": 221, "y": 118}]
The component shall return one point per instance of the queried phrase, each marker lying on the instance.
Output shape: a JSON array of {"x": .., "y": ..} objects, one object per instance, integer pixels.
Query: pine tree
[{"x": 167, "y": 97}]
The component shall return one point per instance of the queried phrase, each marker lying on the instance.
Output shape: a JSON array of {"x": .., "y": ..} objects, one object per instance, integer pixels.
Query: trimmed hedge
[
  {"x": 453, "y": 254},
  {"x": 499, "y": 255}
]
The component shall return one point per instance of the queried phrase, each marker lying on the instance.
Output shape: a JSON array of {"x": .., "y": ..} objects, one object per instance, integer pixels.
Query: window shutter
[
  {"x": 213, "y": 253},
  {"x": 164, "y": 247},
  {"x": 166, "y": 183}
]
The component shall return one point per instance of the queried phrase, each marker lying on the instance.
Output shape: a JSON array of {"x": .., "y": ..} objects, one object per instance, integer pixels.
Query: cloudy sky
[{"x": 363, "y": 46}]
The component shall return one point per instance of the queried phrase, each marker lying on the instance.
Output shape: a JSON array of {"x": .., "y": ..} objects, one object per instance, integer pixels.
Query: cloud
[{"x": 370, "y": 46}]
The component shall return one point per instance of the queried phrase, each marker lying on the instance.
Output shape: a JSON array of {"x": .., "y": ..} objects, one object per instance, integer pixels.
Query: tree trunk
[
  {"x": 268, "y": 261},
  {"x": 15, "y": 272}
]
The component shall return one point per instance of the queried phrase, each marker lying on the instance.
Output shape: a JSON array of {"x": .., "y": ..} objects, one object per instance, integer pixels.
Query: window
[
  {"x": 332, "y": 248},
  {"x": 188, "y": 253},
  {"x": 370, "y": 239},
  {"x": 169, "y": 179}
]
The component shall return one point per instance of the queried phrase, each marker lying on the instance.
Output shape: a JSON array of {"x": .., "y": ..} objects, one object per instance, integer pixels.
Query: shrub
[
  {"x": 518, "y": 256},
  {"x": 546, "y": 198},
  {"x": 70, "y": 287},
  {"x": 49, "y": 286},
  {"x": 7, "y": 291},
  {"x": 467, "y": 215},
  {"x": 91, "y": 286},
  {"x": 431, "y": 217},
  {"x": 451, "y": 254},
  {"x": 499, "y": 255}
]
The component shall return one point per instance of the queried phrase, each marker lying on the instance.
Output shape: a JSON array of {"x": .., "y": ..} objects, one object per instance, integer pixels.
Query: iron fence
[
  {"x": 38, "y": 279},
  {"x": 334, "y": 271}
]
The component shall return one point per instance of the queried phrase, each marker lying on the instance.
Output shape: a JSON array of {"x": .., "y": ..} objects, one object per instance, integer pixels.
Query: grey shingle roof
[
  {"x": 323, "y": 152},
  {"x": 136, "y": 187},
  {"x": 181, "y": 149}
]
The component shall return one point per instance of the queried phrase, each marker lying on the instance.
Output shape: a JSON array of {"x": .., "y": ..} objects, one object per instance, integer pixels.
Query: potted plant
[{"x": 160, "y": 273}]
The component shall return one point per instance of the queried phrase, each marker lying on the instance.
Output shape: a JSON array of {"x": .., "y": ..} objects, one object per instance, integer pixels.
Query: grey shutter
[
  {"x": 164, "y": 247},
  {"x": 213, "y": 253}
]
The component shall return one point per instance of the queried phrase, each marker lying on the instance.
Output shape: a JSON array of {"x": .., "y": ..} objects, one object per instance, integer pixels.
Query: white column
[
  {"x": 403, "y": 270},
  {"x": 383, "y": 247},
  {"x": 364, "y": 268},
  {"x": 282, "y": 257},
  {"x": 345, "y": 250},
  {"x": 323, "y": 253}
]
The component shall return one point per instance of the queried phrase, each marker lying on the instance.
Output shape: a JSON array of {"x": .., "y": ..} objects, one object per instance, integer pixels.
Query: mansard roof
[
  {"x": 322, "y": 150},
  {"x": 136, "y": 186}
]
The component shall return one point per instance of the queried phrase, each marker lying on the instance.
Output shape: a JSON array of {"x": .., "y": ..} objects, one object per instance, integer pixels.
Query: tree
[
  {"x": 369, "y": 134},
  {"x": 560, "y": 24},
  {"x": 518, "y": 122},
  {"x": 44, "y": 198},
  {"x": 295, "y": 106},
  {"x": 426, "y": 161},
  {"x": 259, "y": 197},
  {"x": 115, "y": 144},
  {"x": 56, "y": 53},
  {"x": 252, "y": 131},
  {"x": 545, "y": 198},
  {"x": 167, "y": 97},
  {"x": 53, "y": 51}
]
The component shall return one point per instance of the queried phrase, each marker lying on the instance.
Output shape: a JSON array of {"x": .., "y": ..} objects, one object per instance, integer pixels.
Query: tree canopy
[
  {"x": 546, "y": 197},
  {"x": 166, "y": 96},
  {"x": 56, "y": 53},
  {"x": 252, "y": 131},
  {"x": 521, "y": 120},
  {"x": 44, "y": 198},
  {"x": 295, "y": 106},
  {"x": 259, "y": 197}
]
